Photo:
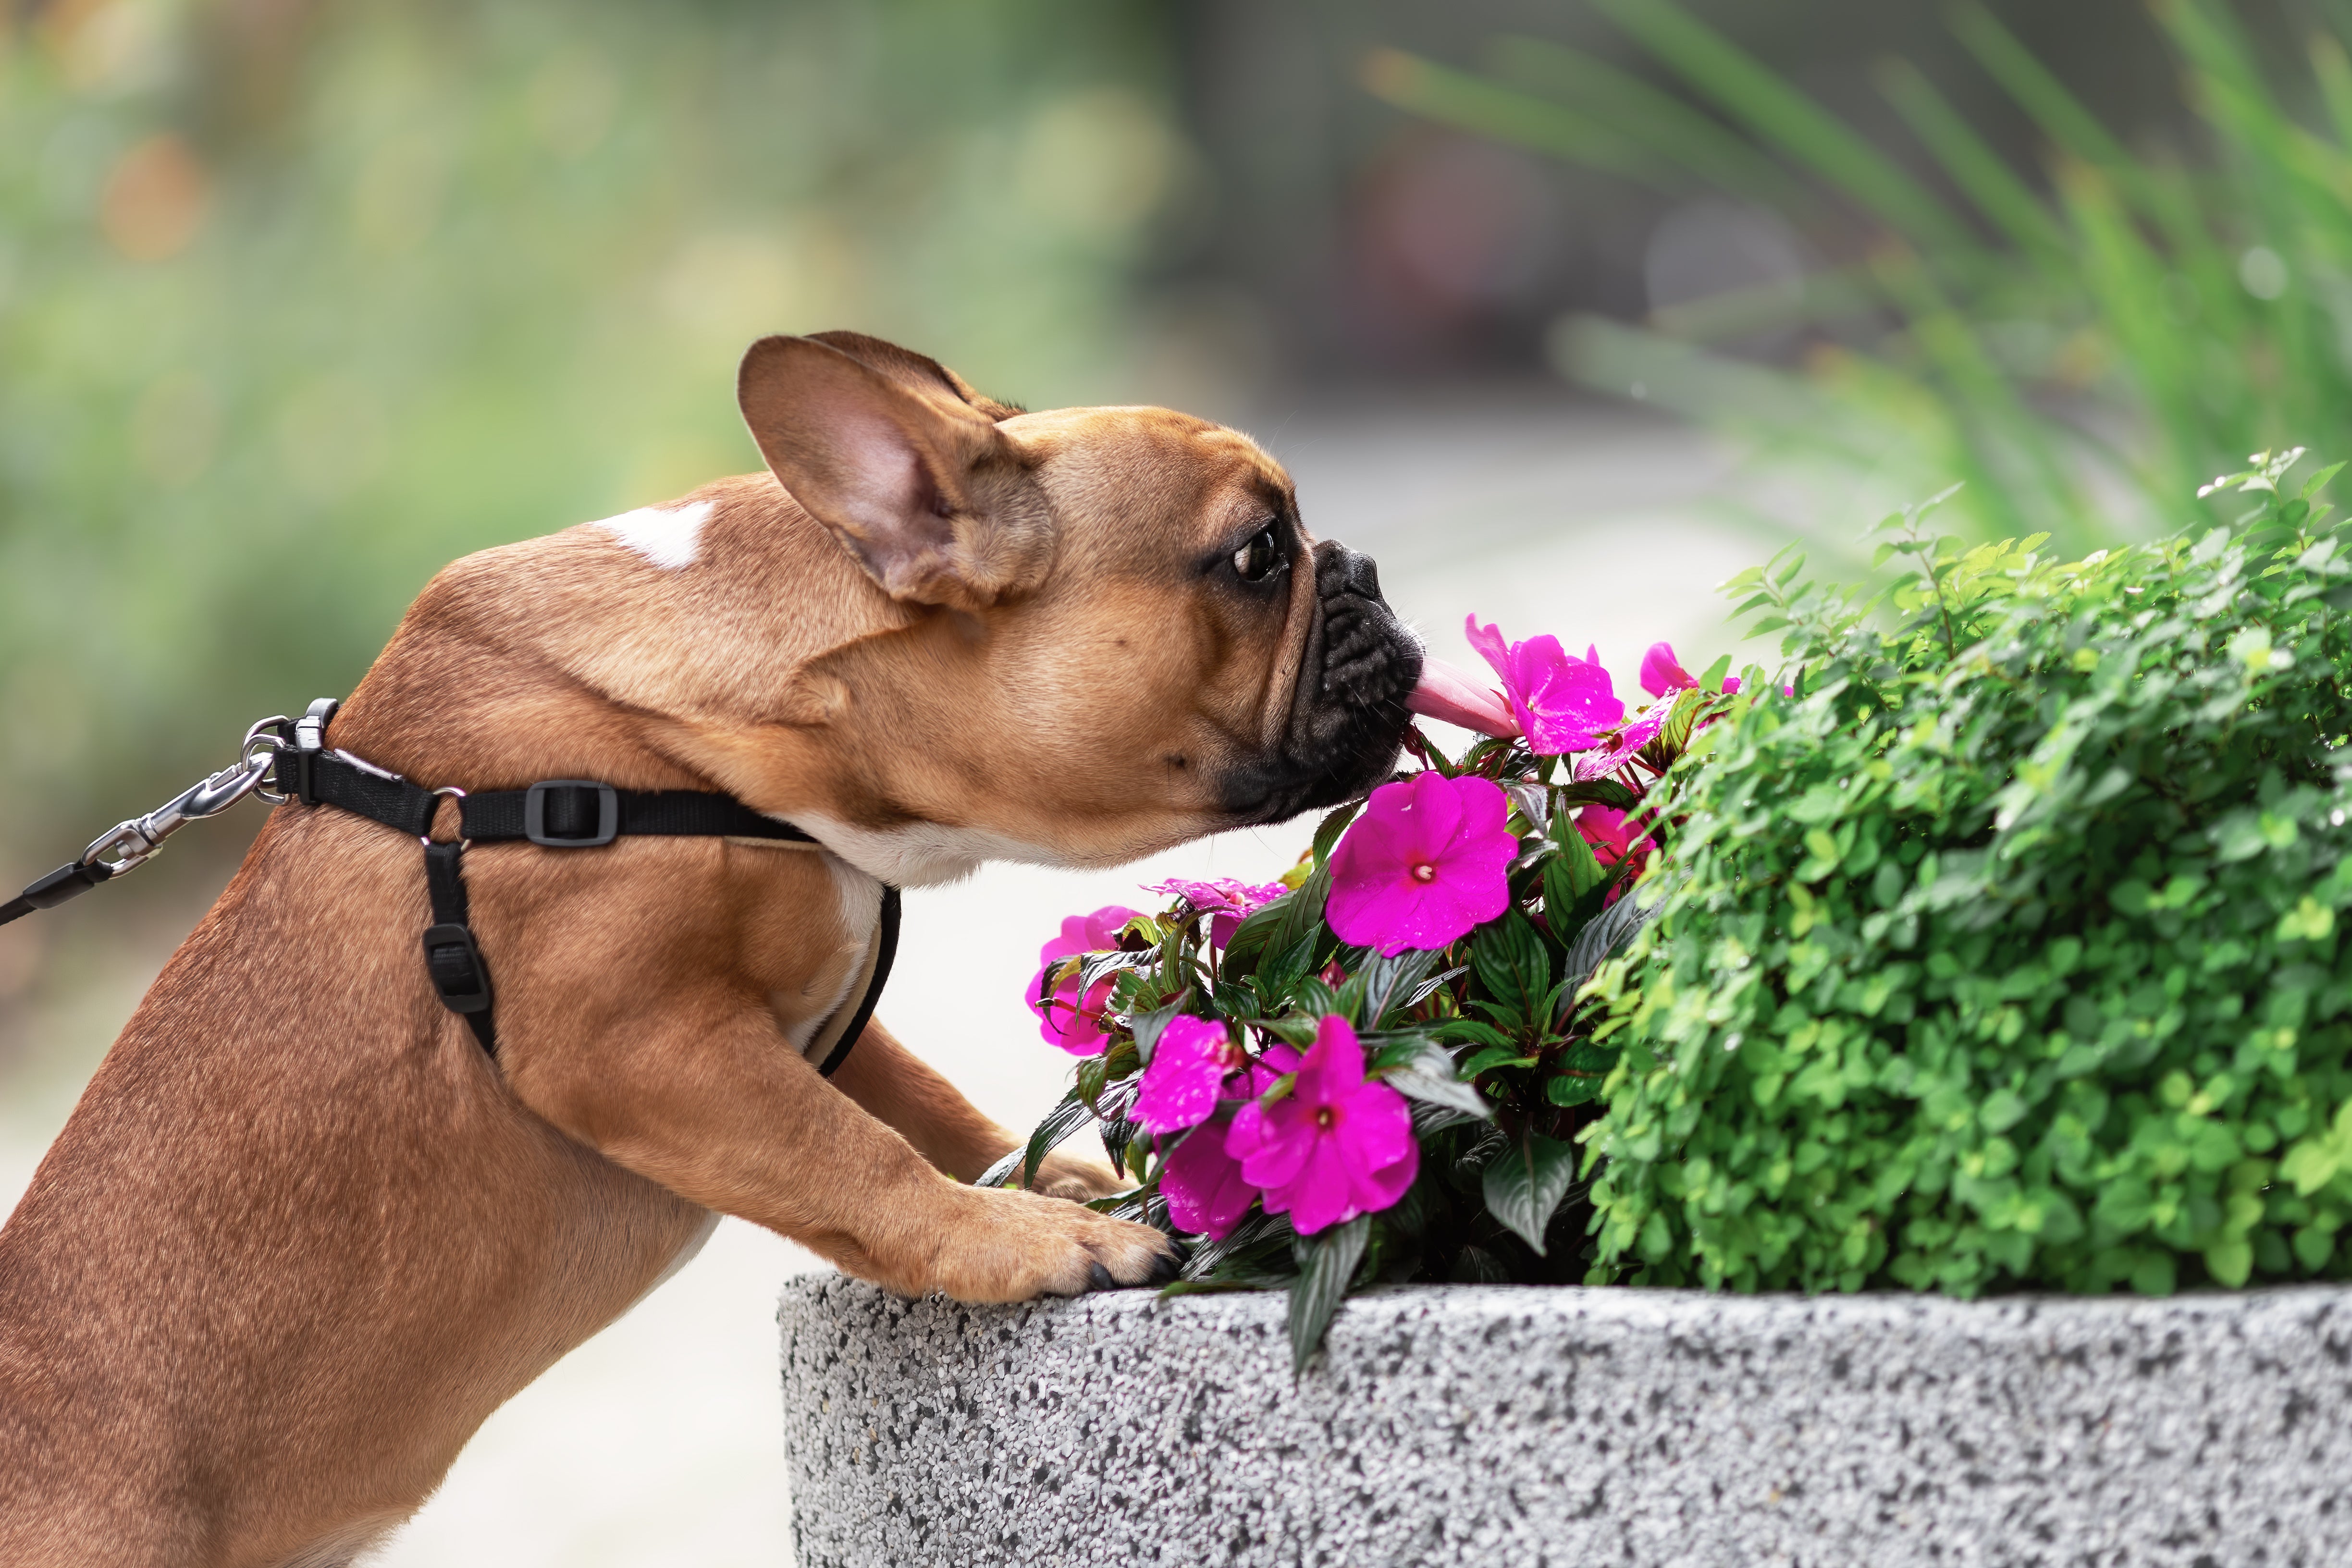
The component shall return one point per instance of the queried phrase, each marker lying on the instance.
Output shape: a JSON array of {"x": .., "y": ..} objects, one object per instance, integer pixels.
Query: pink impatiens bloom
[
  {"x": 1604, "y": 829},
  {"x": 1563, "y": 702},
  {"x": 1662, "y": 673},
  {"x": 1338, "y": 1145},
  {"x": 1206, "y": 1192},
  {"x": 1072, "y": 1021},
  {"x": 1187, "y": 1075},
  {"x": 1227, "y": 900},
  {"x": 1617, "y": 753},
  {"x": 1425, "y": 863}
]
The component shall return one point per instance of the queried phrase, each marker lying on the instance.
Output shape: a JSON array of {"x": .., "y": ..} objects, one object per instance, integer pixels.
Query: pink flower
[
  {"x": 1617, "y": 753},
  {"x": 1188, "y": 1073},
  {"x": 1072, "y": 1021},
  {"x": 1448, "y": 693},
  {"x": 1662, "y": 673},
  {"x": 1563, "y": 703},
  {"x": 1604, "y": 829},
  {"x": 1337, "y": 1146},
  {"x": 1425, "y": 863},
  {"x": 1206, "y": 1192},
  {"x": 1225, "y": 898}
]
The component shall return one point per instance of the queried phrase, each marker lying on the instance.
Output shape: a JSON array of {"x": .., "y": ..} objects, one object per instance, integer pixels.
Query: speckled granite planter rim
[{"x": 1470, "y": 1426}]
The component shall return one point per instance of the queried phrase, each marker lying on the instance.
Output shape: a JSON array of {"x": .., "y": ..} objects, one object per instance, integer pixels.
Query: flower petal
[
  {"x": 1662, "y": 671},
  {"x": 1271, "y": 1140},
  {"x": 1617, "y": 753},
  {"x": 1426, "y": 862},
  {"x": 1376, "y": 1126},
  {"x": 1334, "y": 1068},
  {"x": 1205, "y": 1189},
  {"x": 1386, "y": 1186},
  {"x": 1188, "y": 1070},
  {"x": 1321, "y": 1196},
  {"x": 1488, "y": 641}
]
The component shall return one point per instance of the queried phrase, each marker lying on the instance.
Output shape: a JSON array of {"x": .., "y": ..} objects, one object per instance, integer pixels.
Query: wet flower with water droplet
[
  {"x": 1339, "y": 1145},
  {"x": 1426, "y": 861},
  {"x": 1563, "y": 702}
]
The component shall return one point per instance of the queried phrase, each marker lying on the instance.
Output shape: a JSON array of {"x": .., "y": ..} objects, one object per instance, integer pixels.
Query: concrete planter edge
[{"x": 1469, "y": 1426}]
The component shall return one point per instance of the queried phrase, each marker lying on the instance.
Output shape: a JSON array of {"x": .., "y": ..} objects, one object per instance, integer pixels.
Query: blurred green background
[
  {"x": 300, "y": 301},
  {"x": 1566, "y": 308}
]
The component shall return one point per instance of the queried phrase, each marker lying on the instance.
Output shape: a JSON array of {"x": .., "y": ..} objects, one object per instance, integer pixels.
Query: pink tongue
[{"x": 1448, "y": 693}]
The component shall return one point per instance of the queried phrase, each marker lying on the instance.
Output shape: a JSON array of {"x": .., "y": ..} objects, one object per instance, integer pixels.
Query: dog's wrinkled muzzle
[{"x": 1348, "y": 714}]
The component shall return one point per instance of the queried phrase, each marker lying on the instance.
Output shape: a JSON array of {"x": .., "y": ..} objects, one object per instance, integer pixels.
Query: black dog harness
[{"x": 554, "y": 814}]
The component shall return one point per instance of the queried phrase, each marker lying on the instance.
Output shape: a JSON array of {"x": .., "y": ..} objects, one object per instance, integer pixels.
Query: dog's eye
[{"x": 1255, "y": 561}]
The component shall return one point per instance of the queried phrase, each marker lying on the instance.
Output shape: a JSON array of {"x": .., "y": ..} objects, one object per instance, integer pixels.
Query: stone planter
[{"x": 1462, "y": 1427}]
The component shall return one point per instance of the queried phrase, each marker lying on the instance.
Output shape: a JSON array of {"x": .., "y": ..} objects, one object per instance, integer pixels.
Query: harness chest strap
[{"x": 556, "y": 814}]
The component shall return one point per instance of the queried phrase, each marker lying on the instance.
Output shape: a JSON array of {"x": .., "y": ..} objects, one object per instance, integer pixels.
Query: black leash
[{"x": 554, "y": 814}]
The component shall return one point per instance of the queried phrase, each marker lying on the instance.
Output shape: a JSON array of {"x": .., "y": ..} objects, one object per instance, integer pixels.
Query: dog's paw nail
[
  {"x": 1097, "y": 1277},
  {"x": 1183, "y": 1249},
  {"x": 1164, "y": 1267}
]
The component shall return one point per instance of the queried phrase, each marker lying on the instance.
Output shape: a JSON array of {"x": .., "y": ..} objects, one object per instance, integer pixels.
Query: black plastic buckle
[
  {"x": 309, "y": 741},
  {"x": 456, "y": 966},
  {"x": 534, "y": 814}
]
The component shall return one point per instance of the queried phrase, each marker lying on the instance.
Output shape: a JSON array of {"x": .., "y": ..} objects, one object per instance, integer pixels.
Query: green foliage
[
  {"x": 2205, "y": 301},
  {"x": 297, "y": 305},
  {"x": 2007, "y": 951}
]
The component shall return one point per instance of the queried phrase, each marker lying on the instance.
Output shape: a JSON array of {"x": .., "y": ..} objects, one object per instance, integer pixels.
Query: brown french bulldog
[{"x": 301, "y": 1234}]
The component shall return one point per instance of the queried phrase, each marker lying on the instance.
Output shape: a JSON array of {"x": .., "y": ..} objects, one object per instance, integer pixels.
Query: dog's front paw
[
  {"x": 1078, "y": 1179},
  {"x": 1015, "y": 1246}
]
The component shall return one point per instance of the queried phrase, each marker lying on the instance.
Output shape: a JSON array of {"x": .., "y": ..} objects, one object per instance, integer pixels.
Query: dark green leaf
[
  {"x": 1062, "y": 1120},
  {"x": 1599, "y": 792},
  {"x": 1496, "y": 1056},
  {"x": 1607, "y": 932},
  {"x": 1568, "y": 876},
  {"x": 1327, "y": 1265},
  {"x": 1145, "y": 1027},
  {"x": 1328, "y": 831},
  {"x": 1280, "y": 926},
  {"x": 1379, "y": 984},
  {"x": 1096, "y": 967},
  {"x": 1525, "y": 1182},
  {"x": 1570, "y": 1090},
  {"x": 1258, "y": 1234},
  {"x": 1430, "y": 987},
  {"x": 1470, "y": 1031},
  {"x": 1293, "y": 1028},
  {"x": 1433, "y": 1082},
  {"x": 1513, "y": 964}
]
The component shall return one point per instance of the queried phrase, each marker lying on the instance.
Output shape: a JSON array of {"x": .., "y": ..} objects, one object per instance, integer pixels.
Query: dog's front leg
[
  {"x": 894, "y": 1084},
  {"x": 713, "y": 1103}
]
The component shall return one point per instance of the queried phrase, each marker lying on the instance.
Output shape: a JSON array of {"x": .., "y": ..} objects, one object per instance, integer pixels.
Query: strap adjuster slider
[
  {"x": 534, "y": 815},
  {"x": 456, "y": 966}
]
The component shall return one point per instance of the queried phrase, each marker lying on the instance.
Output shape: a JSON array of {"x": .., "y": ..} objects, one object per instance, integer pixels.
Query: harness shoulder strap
[
  {"x": 451, "y": 958},
  {"x": 886, "y": 949},
  {"x": 554, "y": 814}
]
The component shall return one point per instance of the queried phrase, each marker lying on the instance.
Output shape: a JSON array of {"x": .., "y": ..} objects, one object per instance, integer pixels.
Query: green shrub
[{"x": 2005, "y": 952}]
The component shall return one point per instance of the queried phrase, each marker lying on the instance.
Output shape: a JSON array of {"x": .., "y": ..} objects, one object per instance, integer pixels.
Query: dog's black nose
[{"x": 1339, "y": 569}]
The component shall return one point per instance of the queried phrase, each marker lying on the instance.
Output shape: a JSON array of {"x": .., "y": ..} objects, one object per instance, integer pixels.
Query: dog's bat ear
[
  {"x": 922, "y": 488},
  {"x": 920, "y": 373}
]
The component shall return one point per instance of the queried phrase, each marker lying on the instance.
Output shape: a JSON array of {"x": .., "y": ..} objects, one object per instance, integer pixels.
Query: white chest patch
[
  {"x": 923, "y": 854},
  {"x": 667, "y": 536}
]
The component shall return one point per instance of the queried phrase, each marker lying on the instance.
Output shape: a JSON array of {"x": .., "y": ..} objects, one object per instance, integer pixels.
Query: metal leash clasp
[{"x": 133, "y": 842}]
